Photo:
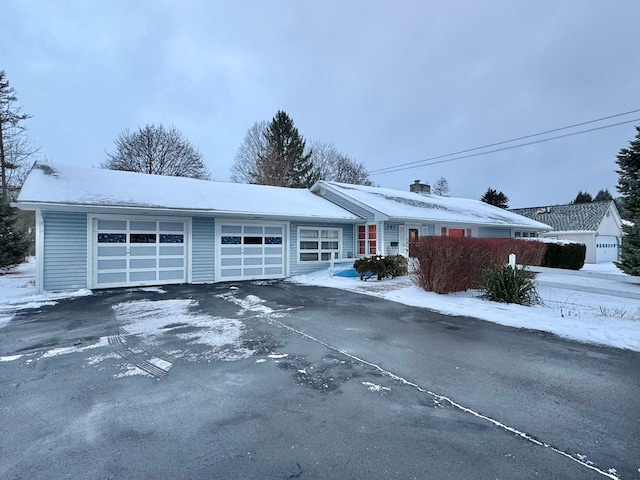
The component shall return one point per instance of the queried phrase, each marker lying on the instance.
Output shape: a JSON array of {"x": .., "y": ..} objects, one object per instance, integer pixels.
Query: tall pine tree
[
  {"x": 13, "y": 244},
  {"x": 628, "y": 161},
  {"x": 283, "y": 162},
  {"x": 495, "y": 198}
]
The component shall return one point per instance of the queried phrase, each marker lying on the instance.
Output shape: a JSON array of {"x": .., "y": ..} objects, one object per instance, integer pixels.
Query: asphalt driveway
[{"x": 270, "y": 380}]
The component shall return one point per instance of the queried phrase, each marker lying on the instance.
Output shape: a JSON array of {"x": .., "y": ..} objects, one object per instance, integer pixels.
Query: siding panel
[
  {"x": 64, "y": 251},
  {"x": 203, "y": 250}
]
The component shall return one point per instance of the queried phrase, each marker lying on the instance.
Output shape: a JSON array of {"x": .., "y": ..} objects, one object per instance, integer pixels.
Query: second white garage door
[
  {"x": 250, "y": 251},
  {"x": 606, "y": 249}
]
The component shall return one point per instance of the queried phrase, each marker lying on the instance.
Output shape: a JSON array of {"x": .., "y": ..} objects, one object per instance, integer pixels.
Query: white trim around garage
[
  {"x": 137, "y": 250},
  {"x": 251, "y": 250}
]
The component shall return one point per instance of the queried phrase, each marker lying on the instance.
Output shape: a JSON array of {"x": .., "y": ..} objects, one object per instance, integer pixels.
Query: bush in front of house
[
  {"x": 565, "y": 255},
  {"x": 381, "y": 267},
  {"x": 455, "y": 264},
  {"x": 509, "y": 285}
]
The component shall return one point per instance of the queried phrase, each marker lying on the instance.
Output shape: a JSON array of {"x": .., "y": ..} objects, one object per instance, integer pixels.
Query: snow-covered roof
[
  {"x": 573, "y": 217},
  {"x": 70, "y": 187},
  {"x": 401, "y": 205}
]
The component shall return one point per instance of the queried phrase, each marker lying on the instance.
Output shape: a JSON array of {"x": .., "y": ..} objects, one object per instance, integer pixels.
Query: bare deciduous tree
[
  {"x": 15, "y": 147},
  {"x": 245, "y": 165},
  {"x": 158, "y": 151},
  {"x": 441, "y": 187},
  {"x": 335, "y": 166}
]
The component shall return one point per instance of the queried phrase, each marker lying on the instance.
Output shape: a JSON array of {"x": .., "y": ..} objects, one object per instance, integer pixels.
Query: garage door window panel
[
  {"x": 171, "y": 262},
  {"x": 230, "y": 240},
  {"x": 113, "y": 225},
  {"x": 112, "y": 251},
  {"x": 112, "y": 238},
  {"x": 142, "y": 263},
  {"x": 142, "y": 238},
  {"x": 142, "y": 251},
  {"x": 171, "y": 238},
  {"x": 112, "y": 264}
]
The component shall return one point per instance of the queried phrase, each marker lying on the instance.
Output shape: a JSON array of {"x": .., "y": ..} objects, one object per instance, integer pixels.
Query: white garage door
[
  {"x": 137, "y": 252},
  {"x": 606, "y": 249},
  {"x": 250, "y": 251}
]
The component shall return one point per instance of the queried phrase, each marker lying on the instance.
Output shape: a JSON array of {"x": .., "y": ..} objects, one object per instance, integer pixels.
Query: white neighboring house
[{"x": 596, "y": 224}]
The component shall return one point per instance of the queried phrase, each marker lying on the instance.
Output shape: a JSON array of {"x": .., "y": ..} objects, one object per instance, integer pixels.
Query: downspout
[{"x": 39, "y": 252}]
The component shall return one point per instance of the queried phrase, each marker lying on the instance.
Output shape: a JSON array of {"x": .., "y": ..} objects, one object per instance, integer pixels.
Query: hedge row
[
  {"x": 569, "y": 255},
  {"x": 454, "y": 264}
]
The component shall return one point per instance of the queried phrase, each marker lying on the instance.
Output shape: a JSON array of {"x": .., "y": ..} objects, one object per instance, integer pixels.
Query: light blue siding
[
  {"x": 494, "y": 232},
  {"x": 347, "y": 205},
  {"x": 203, "y": 250},
  {"x": 64, "y": 252},
  {"x": 391, "y": 234},
  {"x": 298, "y": 268}
]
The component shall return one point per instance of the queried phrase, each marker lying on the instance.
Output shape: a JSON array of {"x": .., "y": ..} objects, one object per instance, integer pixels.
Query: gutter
[{"x": 112, "y": 209}]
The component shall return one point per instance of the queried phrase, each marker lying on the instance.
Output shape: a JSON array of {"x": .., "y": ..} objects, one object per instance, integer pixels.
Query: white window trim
[
  {"x": 378, "y": 239},
  {"x": 319, "y": 250}
]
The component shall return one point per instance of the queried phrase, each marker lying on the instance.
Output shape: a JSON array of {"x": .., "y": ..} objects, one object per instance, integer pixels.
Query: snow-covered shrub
[
  {"x": 509, "y": 285},
  {"x": 382, "y": 267},
  {"x": 454, "y": 264}
]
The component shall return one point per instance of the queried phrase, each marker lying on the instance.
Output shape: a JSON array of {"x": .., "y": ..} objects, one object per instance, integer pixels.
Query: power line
[{"x": 428, "y": 161}]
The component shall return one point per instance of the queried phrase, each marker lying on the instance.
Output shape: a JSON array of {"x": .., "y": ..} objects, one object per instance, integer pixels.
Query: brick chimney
[{"x": 421, "y": 188}]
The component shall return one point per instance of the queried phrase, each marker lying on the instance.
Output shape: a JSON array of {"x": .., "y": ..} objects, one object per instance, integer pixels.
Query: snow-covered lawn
[{"x": 588, "y": 317}]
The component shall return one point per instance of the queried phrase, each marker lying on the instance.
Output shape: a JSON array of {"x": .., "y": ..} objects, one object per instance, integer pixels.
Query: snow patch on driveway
[{"x": 154, "y": 319}]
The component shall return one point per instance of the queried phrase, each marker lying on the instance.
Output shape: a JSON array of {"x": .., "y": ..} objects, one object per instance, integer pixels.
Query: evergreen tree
[
  {"x": 628, "y": 161},
  {"x": 283, "y": 162},
  {"x": 13, "y": 245},
  {"x": 583, "y": 197},
  {"x": 603, "y": 196},
  {"x": 495, "y": 198}
]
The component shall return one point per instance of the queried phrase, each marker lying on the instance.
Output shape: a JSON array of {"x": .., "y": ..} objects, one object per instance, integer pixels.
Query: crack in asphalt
[{"x": 441, "y": 398}]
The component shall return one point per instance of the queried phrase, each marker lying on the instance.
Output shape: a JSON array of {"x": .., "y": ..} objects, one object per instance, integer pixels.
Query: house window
[
  {"x": 318, "y": 244},
  {"x": 455, "y": 232},
  {"x": 525, "y": 234},
  {"x": 367, "y": 239}
]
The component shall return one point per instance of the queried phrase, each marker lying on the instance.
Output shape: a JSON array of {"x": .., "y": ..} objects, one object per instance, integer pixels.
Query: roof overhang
[
  {"x": 151, "y": 210},
  {"x": 318, "y": 187}
]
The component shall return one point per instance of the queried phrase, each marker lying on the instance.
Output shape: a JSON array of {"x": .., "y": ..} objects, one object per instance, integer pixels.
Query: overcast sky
[{"x": 387, "y": 83}]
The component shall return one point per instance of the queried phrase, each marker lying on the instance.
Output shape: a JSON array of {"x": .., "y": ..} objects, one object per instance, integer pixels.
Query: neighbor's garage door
[
  {"x": 137, "y": 252},
  {"x": 606, "y": 249},
  {"x": 250, "y": 251}
]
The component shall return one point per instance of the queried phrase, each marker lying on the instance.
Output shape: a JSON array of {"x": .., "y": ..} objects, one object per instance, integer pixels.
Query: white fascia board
[
  {"x": 470, "y": 223},
  {"x": 377, "y": 215},
  {"x": 129, "y": 210},
  {"x": 570, "y": 232}
]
